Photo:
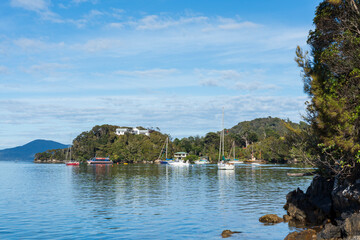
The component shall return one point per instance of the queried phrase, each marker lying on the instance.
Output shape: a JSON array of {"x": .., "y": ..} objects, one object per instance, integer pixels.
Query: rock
[
  {"x": 286, "y": 218},
  {"x": 346, "y": 198},
  {"x": 351, "y": 226},
  {"x": 314, "y": 206},
  {"x": 308, "y": 234},
  {"x": 295, "y": 205},
  {"x": 271, "y": 218},
  {"x": 228, "y": 233},
  {"x": 330, "y": 231}
]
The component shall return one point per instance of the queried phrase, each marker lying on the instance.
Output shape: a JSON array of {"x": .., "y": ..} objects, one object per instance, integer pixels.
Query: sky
[{"x": 68, "y": 65}]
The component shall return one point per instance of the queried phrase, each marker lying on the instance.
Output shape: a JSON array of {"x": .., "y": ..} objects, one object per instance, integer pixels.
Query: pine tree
[{"x": 331, "y": 77}]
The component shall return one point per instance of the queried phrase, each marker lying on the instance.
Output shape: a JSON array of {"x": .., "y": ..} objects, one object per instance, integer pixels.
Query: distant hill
[
  {"x": 264, "y": 127},
  {"x": 28, "y": 151}
]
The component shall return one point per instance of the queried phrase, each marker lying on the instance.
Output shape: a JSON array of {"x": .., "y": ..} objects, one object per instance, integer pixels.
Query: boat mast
[
  {"x": 234, "y": 148},
  {"x": 167, "y": 143},
  {"x": 223, "y": 133}
]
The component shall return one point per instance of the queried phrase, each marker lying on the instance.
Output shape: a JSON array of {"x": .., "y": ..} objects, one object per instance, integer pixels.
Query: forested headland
[
  {"x": 270, "y": 139},
  {"x": 331, "y": 75}
]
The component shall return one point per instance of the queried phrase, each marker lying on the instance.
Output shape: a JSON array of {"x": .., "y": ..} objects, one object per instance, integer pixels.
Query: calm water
[{"x": 42, "y": 201}]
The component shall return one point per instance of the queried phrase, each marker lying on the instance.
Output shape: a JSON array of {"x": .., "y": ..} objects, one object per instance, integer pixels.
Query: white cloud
[
  {"x": 100, "y": 44},
  {"x": 36, "y": 44},
  {"x": 39, "y": 6},
  {"x": 154, "y": 22},
  {"x": 116, "y": 25},
  {"x": 218, "y": 77},
  {"x": 179, "y": 116},
  {"x": 46, "y": 68},
  {"x": 32, "y": 5},
  {"x": 152, "y": 73}
]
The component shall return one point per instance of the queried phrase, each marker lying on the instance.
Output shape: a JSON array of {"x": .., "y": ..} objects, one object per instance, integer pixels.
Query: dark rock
[
  {"x": 271, "y": 218},
  {"x": 308, "y": 234},
  {"x": 228, "y": 233},
  {"x": 329, "y": 231},
  {"x": 319, "y": 194},
  {"x": 346, "y": 198},
  {"x": 351, "y": 226},
  {"x": 312, "y": 207},
  {"x": 332, "y": 204}
]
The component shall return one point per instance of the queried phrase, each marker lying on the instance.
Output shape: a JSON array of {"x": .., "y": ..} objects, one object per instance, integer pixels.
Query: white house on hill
[{"x": 136, "y": 131}]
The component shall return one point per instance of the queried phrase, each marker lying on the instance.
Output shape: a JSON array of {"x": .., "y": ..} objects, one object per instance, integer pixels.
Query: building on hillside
[
  {"x": 180, "y": 155},
  {"x": 135, "y": 131}
]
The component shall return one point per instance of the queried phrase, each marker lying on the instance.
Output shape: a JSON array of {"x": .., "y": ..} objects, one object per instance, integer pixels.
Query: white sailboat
[
  {"x": 223, "y": 164},
  {"x": 234, "y": 160},
  {"x": 166, "y": 161}
]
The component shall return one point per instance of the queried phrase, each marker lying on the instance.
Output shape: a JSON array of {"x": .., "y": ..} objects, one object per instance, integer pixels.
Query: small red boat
[{"x": 72, "y": 163}]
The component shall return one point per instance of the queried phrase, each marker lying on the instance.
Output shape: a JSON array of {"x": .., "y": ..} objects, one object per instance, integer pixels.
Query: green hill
[
  {"x": 102, "y": 141},
  {"x": 267, "y": 138}
]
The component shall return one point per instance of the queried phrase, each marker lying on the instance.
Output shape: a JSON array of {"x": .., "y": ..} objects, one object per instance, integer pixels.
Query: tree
[{"x": 332, "y": 80}]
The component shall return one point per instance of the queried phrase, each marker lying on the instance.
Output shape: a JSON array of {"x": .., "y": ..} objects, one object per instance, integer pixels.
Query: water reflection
[{"x": 142, "y": 201}]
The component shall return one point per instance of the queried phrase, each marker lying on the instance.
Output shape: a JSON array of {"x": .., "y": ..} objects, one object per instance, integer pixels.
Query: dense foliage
[
  {"x": 332, "y": 79},
  {"x": 267, "y": 138},
  {"x": 101, "y": 141}
]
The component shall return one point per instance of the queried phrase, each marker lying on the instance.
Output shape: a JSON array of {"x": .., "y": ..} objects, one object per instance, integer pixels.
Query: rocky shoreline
[
  {"x": 48, "y": 161},
  {"x": 329, "y": 208}
]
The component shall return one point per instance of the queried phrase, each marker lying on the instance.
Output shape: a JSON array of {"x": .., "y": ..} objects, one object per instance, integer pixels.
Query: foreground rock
[
  {"x": 228, "y": 233},
  {"x": 308, "y": 234},
  {"x": 327, "y": 203},
  {"x": 271, "y": 219}
]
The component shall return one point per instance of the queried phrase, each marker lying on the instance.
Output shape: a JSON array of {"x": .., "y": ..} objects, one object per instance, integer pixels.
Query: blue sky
[{"x": 68, "y": 65}]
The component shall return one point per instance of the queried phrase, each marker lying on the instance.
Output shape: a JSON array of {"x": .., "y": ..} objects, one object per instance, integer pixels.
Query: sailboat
[
  {"x": 70, "y": 162},
  {"x": 234, "y": 160},
  {"x": 253, "y": 160},
  {"x": 166, "y": 161},
  {"x": 223, "y": 164}
]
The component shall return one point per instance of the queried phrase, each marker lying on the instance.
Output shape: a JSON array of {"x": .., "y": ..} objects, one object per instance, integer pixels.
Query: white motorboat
[{"x": 202, "y": 161}]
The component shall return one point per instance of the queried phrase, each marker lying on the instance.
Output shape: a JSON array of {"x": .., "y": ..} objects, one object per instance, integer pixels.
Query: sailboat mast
[
  {"x": 167, "y": 143},
  {"x": 234, "y": 148},
  {"x": 220, "y": 146},
  {"x": 223, "y": 133}
]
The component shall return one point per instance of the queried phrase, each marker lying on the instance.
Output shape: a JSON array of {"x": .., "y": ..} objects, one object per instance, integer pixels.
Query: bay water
[{"x": 143, "y": 201}]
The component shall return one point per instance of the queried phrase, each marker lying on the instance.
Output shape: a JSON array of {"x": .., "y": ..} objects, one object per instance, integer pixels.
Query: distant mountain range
[{"x": 28, "y": 151}]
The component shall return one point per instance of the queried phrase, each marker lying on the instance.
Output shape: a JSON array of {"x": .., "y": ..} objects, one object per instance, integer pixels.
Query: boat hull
[
  {"x": 226, "y": 166},
  {"x": 179, "y": 163},
  {"x": 72, "y": 164},
  {"x": 100, "y": 161}
]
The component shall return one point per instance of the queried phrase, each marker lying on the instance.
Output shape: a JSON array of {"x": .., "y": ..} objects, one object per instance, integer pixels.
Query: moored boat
[
  {"x": 223, "y": 163},
  {"x": 179, "y": 163},
  {"x": 100, "y": 160},
  {"x": 70, "y": 162},
  {"x": 167, "y": 160},
  {"x": 202, "y": 161}
]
